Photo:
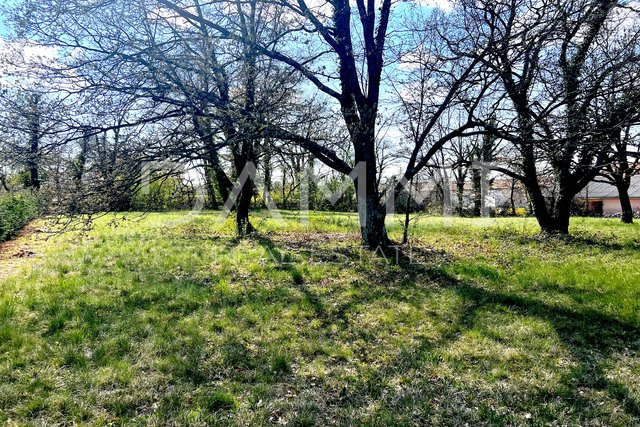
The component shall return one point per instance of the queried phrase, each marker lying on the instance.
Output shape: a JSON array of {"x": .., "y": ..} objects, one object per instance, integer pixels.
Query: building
[{"x": 601, "y": 198}]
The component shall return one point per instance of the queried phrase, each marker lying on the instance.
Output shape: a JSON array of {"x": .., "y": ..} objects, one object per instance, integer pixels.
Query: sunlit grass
[{"x": 169, "y": 319}]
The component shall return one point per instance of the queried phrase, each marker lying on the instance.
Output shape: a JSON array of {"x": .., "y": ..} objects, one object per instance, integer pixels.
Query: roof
[{"x": 604, "y": 190}]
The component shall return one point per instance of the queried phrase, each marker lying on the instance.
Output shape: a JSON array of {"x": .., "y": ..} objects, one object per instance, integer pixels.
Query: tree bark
[
  {"x": 371, "y": 211},
  {"x": 243, "y": 206},
  {"x": 34, "y": 143},
  {"x": 266, "y": 192},
  {"x": 372, "y": 224},
  {"x": 625, "y": 202},
  {"x": 460, "y": 189},
  {"x": 559, "y": 223},
  {"x": 512, "y": 197}
]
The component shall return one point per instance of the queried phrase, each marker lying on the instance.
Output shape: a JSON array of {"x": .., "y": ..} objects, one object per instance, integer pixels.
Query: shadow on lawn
[
  {"x": 591, "y": 337},
  {"x": 578, "y": 239}
]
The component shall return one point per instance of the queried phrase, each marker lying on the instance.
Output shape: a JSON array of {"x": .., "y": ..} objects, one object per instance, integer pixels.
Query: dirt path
[{"x": 16, "y": 253}]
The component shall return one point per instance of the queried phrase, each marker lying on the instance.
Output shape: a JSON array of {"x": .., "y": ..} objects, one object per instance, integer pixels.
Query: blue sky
[
  {"x": 4, "y": 31},
  {"x": 3, "y": 28}
]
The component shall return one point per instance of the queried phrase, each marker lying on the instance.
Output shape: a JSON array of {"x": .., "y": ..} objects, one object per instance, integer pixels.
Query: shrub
[
  {"x": 164, "y": 195},
  {"x": 15, "y": 211}
]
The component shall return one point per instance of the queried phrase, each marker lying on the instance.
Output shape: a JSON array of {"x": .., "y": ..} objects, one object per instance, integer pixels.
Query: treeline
[{"x": 543, "y": 92}]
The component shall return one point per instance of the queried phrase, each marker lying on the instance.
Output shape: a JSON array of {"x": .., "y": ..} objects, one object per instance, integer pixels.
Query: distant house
[
  {"x": 500, "y": 194},
  {"x": 601, "y": 198}
]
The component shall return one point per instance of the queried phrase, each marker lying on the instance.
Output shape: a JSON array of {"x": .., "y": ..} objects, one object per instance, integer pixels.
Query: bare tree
[
  {"x": 552, "y": 63},
  {"x": 358, "y": 48},
  {"x": 217, "y": 92},
  {"x": 624, "y": 165}
]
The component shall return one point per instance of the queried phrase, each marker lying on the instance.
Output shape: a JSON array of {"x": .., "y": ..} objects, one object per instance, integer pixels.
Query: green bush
[
  {"x": 164, "y": 195},
  {"x": 15, "y": 211}
]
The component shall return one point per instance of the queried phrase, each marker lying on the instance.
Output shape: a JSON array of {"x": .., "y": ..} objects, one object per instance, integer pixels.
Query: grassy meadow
[{"x": 167, "y": 319}]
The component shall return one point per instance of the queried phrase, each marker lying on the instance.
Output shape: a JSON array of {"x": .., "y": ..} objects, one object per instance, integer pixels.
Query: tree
[
  {"x": 552, "y": 66},
  {"x": 358, "y": 48},
  {"x": 624, "y": 165},
  {"x": 30, "y": 122},
  {"x": 217, "y": 92}
]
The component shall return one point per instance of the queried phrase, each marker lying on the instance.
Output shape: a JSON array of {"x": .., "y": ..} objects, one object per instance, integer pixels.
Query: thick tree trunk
[
  {"x": 244, "y": 156},
  {"x": 558, "y": 222},
  {"x": 536, "y": 197},
  {"x": 553, "y": 219},
  {"x": 556, "y": 219},
  {"x": 371, "y": 211},
  {"x": 243, "y": 206},
  {"x": 372, "y": 227},
  {"x": 625, "y": 202}
]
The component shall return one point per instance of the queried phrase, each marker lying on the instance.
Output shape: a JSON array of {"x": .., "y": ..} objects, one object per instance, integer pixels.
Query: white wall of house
[{"x": 612, "y": 206}]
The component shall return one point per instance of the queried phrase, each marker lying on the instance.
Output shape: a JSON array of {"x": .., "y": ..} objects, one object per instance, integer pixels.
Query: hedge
[{"x": 15, "y": 211}]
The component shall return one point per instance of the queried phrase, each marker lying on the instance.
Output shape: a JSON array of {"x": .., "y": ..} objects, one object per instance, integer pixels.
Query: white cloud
[
  {"x": 25, "y": 56},
  {"x": 23, "y": 62}
]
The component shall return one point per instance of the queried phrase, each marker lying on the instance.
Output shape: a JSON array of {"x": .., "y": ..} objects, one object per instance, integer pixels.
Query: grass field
[{"x": 161, "y": 320}]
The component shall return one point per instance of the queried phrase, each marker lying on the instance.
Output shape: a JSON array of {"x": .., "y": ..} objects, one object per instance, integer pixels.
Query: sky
[
  {"x": 4, "y": 31},
  {"x": 3, "y": 28}
]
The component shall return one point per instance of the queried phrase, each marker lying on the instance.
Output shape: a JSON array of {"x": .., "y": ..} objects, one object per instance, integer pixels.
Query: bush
[
  {"x": 164, "y": 195},
  {"x": 15, "y": 211}
]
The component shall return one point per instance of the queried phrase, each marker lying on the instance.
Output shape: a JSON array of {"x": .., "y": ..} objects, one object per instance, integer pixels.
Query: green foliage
[
  {"x": 164, "y": 195},
  {"x": 345, "y": 203},
  {"x": 289, "y": 199},
  {"x": 15, "y": 211}
]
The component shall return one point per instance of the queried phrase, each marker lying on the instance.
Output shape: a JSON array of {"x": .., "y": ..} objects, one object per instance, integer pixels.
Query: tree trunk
[
  {"x": 212, "y": 200},
  {"x": 407, "y": 217},
  {"x": 266, "y": 192},
  {"x": 512, "y": 197},
  {"x": 243, "y": 206},
  {"x": 625, "y": 202},
  {"x": 372, "y": 227},
  {"x": 34, "y": 145},
  {"x": 460, "y": 188},
  {"x": 477, "y": 191},
  {"x": 244, "y": 156},
  {"x": 371, "y": 211},
  {"x": 558, "y": 222}
]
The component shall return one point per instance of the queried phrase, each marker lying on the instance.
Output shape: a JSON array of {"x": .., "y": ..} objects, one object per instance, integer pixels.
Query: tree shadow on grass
[
  {"x": 592, "y": 338},
  {"x": 581, "y": 239}
]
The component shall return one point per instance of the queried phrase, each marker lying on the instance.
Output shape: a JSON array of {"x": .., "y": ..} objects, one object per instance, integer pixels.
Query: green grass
[{"x": 159, "y": 320}]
